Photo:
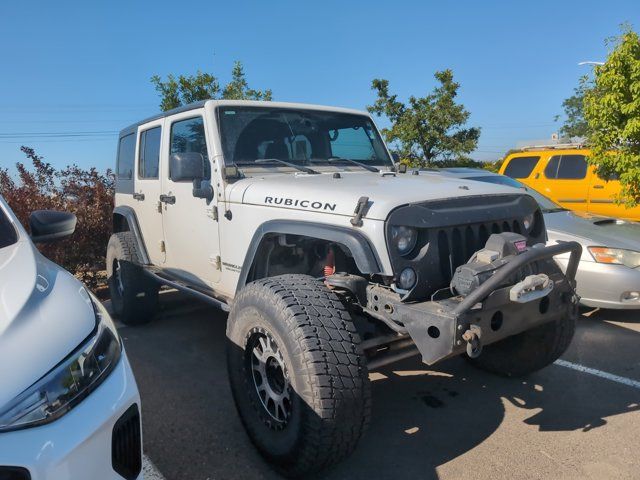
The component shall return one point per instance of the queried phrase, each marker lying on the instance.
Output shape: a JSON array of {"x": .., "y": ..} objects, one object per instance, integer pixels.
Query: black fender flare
[
  {"x": 358, "y": 244},
  {"x": 130, "y": 217}
]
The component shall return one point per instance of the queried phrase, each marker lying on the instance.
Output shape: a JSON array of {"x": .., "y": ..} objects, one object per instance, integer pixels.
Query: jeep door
[
  {"x": 147, "y": 189},
  {"x": 190, "y": 223}
]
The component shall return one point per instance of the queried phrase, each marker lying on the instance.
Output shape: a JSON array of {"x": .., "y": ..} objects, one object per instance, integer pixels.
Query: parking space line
[
  {"x": 599, "y": 373},
  {"x": 149, "y": 469}
]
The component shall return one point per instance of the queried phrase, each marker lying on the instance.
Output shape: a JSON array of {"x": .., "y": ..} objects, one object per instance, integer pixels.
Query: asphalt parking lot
[{"x": 574, "y": 420}]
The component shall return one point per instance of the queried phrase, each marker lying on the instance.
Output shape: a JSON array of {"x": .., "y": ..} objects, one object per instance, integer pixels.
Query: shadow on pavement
[{"x": 423, "y": 417}]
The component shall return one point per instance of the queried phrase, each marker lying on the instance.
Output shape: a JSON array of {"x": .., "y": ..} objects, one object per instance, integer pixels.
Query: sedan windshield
[
  {"x": 546, "y": 205},
  {"x": 301, "y": 137},
  {"x": 8, "y": 234}
]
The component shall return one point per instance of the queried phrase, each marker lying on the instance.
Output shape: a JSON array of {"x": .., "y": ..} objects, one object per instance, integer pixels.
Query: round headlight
[
  {"x": 407, "y": 279},
  {"x": 404, "y": 238}
]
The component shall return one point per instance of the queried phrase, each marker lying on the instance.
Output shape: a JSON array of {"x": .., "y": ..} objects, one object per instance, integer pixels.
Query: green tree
[
  {"x": 428, "y": 131},
  {"x": 575, "y": 125},
  {"x": 184, "y": 89},
  {"x": 612, "y": 110}
]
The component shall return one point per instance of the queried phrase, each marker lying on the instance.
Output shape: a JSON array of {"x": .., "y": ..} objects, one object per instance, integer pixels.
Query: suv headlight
[
  {"x": 618, "y": 256},
  {"x": 70, "y": 381},
  {"x": 404, "y": 239}
]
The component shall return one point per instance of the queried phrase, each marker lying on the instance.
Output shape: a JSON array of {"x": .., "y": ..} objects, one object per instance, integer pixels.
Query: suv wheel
[
  {"x": 528, "y": 351},
  {"x": 298, "y": 376},
  {"x": 134, "y": 296}
]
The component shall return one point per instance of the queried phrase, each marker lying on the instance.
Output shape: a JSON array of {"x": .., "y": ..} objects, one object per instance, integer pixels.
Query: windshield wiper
[
  {"x": 355, "y": 162},
  {"x": 283, "y": 162}
]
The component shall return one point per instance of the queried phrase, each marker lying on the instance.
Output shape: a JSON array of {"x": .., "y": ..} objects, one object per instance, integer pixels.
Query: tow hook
[{"x": 473, "y": 338}]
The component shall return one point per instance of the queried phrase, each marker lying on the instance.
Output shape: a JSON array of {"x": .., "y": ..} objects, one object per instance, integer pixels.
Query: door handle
[
  {"x": 170, "y": 199},
  {"x": 138, "y": 196},
  {"x": 598, "y": 186}
]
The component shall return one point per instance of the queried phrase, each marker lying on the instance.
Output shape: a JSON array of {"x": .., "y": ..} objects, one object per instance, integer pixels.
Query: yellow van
[{"x": 562, "y": 173}]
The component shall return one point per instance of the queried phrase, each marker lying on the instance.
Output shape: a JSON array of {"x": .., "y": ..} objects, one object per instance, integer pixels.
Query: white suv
[
  {"x": 69, "y": 405},
  {"x": 332, "y": 261}
]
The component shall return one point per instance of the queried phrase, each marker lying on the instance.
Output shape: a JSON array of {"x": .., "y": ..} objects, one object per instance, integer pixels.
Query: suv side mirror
[
  {"x": 50, "y": 225},
  {"x": 186, "y": 166}
]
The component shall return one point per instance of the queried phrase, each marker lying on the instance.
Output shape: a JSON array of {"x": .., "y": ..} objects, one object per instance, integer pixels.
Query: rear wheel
[
  {"x": 134, "y": 296},
  {"x": 298, "y": 376},
  {"x": 528, "y": 351}
]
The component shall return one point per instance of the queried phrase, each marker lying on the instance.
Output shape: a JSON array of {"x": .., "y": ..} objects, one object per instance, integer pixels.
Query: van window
[
  {"x": 188, "y": 136},
  {"x": 521, "y": 167},
  {"x": 566, "y": 167},
  {"x": 149, "y": 153},
  {"x": 126, "y": 154}
]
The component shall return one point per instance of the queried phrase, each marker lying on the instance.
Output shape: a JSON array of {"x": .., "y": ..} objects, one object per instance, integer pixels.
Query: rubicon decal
[{"x": 294, "y": 202}]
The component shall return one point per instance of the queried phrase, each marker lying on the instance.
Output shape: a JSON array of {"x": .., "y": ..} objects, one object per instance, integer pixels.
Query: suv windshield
[
  {"x": 300, "y": 137},
  {"x": 8, "y": 234},
  {"x": 546, "y": 205}
]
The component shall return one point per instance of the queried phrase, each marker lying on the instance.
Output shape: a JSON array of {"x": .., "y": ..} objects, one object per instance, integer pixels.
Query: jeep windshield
[{"x": 266, "y": 137}]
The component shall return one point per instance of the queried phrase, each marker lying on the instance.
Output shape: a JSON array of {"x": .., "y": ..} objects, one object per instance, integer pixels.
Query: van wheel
[
  {"x": 134, "y": 296},
  {"x": 298, "y": 376},
  {"x": 528, "y": 351}
]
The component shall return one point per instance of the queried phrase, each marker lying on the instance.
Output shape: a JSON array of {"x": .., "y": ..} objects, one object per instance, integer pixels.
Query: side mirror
[
  {"x": 50, "y": 225},
  {"x": 186, "y": 167}
]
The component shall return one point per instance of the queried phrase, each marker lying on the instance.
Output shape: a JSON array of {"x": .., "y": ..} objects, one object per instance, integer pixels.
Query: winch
[{"x": 498, "y": 251}]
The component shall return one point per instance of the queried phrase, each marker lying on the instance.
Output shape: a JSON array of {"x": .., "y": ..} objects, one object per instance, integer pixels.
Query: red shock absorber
[{"x": 330, "y": 265}]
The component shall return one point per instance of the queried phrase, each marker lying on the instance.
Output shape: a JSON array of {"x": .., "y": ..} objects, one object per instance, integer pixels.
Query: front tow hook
[{"x": 473, "y": 338}]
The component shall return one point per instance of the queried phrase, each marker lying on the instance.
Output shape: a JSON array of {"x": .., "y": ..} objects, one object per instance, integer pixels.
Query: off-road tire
[
  {"x": 330, "y": 392},
  {"x": 528, "y": 351},
  {"x": 134, "y": 295}
]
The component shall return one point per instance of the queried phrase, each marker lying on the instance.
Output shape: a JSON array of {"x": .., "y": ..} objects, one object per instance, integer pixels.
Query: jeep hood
[
  {"x": 45, "y": 313},
  {"x": 339, "y": 196}
]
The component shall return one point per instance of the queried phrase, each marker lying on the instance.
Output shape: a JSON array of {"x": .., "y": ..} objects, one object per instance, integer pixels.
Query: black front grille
[
  {"x": 451, "y": 230},
  {"x": 126, "y": 444},
  {"x": 14, "y": 473},
  {"x": 456, "y": 245}
]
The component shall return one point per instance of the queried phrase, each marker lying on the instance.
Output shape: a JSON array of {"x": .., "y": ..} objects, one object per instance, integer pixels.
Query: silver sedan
[{"x": 609, "y": 270}]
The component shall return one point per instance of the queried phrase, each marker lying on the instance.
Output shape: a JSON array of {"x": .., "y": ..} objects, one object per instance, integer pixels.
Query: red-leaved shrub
[{"x": 87, "y": 193}]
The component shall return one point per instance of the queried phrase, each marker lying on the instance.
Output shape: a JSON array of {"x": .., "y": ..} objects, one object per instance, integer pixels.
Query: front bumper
[
  {"x": 444, "y": 328},
  {"x": 605, "y": 286},
  {"x": 79, "y": 444}
]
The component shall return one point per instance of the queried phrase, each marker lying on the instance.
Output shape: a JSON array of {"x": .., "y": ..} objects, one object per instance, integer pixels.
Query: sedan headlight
[
  {"x": 68, "y": 383},
  {"x": 617, "y": 256},
  {"x": 404, "y": 239}
]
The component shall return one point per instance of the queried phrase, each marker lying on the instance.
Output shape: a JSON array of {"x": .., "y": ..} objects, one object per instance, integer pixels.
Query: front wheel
[
  {"x": 298, "y": 376},
  {"x": 528, "y": 351}
]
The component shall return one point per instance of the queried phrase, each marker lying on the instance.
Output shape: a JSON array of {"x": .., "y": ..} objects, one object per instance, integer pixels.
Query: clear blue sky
[{"x": 76, "y": 66}]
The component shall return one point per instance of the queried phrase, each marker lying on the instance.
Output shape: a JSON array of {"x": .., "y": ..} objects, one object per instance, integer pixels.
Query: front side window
[
  {"x": 8, "y": 234},
  {"x": 521, "y": 167},
  {"x": 149, "y": 153},
  {"x": 188, "y": 136},
  {"x": 126, "y": 156},
  {"x": 304, "y": 137},
  {"x": 566, "y": 167}
]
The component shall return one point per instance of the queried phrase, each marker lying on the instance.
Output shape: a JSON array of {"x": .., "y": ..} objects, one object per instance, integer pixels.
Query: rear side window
[
  {"x": 566, "y": 167},
  {"x": 149, "y": 153},
  {"x": 126, "y": 154},
  {"x": 521, "y": 167},
  {"x": 8, "y": 234},
  {"x": 188, "y": 136}
]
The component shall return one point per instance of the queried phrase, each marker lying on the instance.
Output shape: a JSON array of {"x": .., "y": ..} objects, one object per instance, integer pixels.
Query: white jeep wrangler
[{"x": 331, "y": 260}]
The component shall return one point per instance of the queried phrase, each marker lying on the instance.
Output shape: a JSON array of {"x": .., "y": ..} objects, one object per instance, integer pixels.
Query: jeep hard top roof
[{"x": 244, "y": 103}]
